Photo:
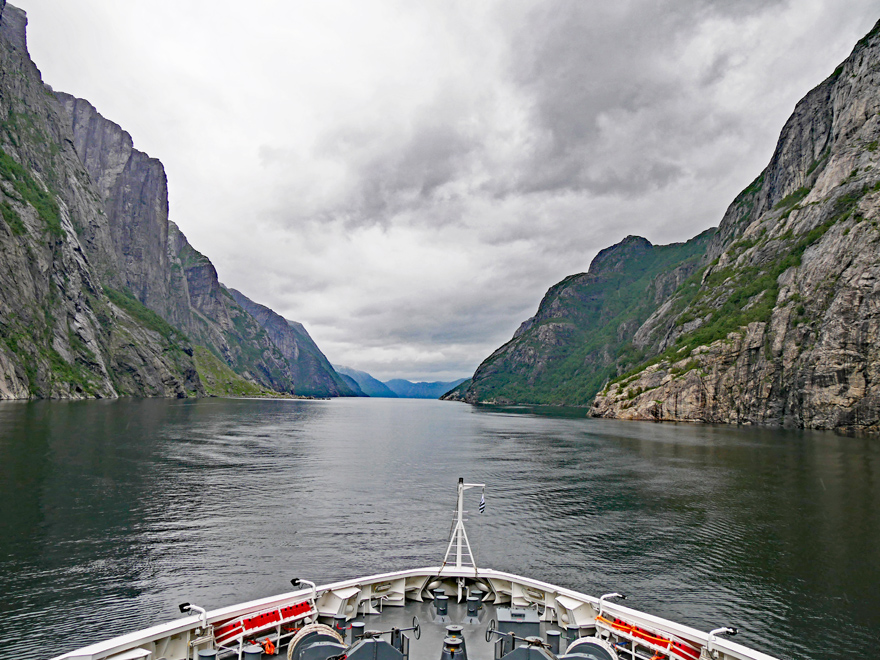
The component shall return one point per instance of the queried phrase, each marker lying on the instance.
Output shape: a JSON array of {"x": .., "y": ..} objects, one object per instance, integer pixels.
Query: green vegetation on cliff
[
  {"x": 219, "y": 380},
  {"x": 582, "y": 332},
  {"x": 43, "y": 365},
  {"x": 781, "y": 328},
  {"x": 126, "y": 301},
  {"x": 31, "y": 192},
  {"x": 726, "y": 299}
]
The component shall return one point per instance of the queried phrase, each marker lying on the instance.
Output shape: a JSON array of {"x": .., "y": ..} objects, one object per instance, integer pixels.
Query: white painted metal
[
  {"x": 135, "y": 654},
  {"x": 158, "y": 634},
  {"x": 458, "y": 538},
  {"x": 565, "y": 607}
]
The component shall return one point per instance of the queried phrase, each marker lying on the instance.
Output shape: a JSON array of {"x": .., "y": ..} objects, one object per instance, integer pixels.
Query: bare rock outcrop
[
  {"x": 134, "y": 191},
  {"x": 783, "y": 329},
  {"x": 311, "y": 372},
  {"x": 66, "y": 329}
]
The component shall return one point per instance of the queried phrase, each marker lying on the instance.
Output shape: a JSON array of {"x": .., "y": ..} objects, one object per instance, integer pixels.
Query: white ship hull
[
  {"x": 358, "y": 598},
  {"x": 542, "y": 621}
]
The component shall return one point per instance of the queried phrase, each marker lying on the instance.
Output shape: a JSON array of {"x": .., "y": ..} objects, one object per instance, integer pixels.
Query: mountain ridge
[
  {"x": 396, "y": 388},
  {"x": 774, "y": 323},
  {"x": 571, "y": 347},
  {"x": 371, "y": 387},
  {"x": 312, "y": 373},
  {"x": 407, "y": 389},
  {"x": 101, "y": 295}
]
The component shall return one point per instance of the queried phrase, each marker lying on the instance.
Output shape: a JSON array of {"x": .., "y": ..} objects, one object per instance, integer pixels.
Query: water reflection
[{"x": 112, "y": 512}]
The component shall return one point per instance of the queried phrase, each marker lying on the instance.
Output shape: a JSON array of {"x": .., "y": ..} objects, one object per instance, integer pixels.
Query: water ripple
[{"x": 113, "y": 512}]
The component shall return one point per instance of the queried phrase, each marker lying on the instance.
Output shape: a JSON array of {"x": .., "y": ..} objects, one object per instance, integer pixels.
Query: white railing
[{"x": 174, "y": 640}]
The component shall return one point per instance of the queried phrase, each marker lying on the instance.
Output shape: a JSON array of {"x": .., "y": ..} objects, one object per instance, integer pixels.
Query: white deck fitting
[
  {"x": 171, "y": 640},
  {"x": 391, "y": 600}
]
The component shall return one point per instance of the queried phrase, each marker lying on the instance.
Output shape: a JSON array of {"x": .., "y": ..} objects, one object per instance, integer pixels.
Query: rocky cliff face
[
  {"x": 134, "y": 191},
  {"x": 782, "y": 325},
  {"x": 220, "y": 324},
  {"x": 100, "y": 294},
  {"x": 155, "y": 262},
  {"x": 583, "y": 329},
  {"x": 311, "y": 372},
  {"x": 66, "y": 327}
]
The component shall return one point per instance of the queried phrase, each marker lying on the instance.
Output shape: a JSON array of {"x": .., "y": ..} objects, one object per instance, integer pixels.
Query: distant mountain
[
  {"x": 406, "y": 389},
  {"x": 369, "y": 385},
  {"x": 352, "y": 383},
  {"x": 365, "y": 385},
  {"x": 311, "y": 372}
]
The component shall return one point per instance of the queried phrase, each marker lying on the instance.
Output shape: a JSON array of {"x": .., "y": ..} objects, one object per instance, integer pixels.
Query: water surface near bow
[{"x": 111, "y": 513}]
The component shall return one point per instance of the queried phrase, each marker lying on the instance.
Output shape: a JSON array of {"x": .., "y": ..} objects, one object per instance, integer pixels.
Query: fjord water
[{"x": 115, "y": 512}]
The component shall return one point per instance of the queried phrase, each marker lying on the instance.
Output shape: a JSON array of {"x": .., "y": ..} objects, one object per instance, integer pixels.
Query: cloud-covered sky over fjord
[{"x": 408, "y": 178}]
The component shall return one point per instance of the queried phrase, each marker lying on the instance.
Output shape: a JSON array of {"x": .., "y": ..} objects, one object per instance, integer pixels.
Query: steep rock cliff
[
  {"x": 66, "y": 327},
  {"x": 311, "y": 372},
  {"x": 155, "y": 262},
  {"x": 781, "y": 325},
  {"x": 99, "y": 293},
  {"x": 220, "y": 324},
  {"x": 584, "y": 325},
  {"x": 134, "y": 191}
]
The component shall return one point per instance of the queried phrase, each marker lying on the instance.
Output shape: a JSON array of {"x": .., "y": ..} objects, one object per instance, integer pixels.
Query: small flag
[{"x": 482, "y": 503}]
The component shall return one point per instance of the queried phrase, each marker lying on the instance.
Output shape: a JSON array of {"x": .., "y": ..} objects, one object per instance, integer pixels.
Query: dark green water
[{"x": 111, "y": 513}]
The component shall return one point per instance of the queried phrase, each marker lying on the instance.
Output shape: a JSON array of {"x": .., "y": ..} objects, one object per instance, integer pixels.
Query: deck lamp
[
  {"x": 604, "y": 597},
  {"x": 296, "y": 582},
  {"x": 719, "y": 631},
  {"x": 189, "y": 607}
]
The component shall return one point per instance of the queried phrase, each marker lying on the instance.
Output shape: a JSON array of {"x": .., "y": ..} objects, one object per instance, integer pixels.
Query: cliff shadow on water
[{"x": 113, "y": 512}]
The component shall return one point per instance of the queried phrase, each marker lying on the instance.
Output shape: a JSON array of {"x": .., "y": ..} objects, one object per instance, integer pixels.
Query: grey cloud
[
  {"x": 580, "y": 64},
  {"x": 403, "y": 171},
  {"x": 468, "y": 318},
  {"x": 559, "y": 127},
  {"x": 585, "y": 63}
]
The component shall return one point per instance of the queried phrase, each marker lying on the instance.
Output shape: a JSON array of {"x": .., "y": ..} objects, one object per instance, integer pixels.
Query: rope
[{"x": 319, "y": 628}]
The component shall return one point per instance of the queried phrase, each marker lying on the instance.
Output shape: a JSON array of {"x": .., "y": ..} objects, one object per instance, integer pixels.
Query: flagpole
[{"x": 459, "y": 537}]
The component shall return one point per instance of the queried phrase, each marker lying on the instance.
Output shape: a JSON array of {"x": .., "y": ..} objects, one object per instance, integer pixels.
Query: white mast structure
[{"x": 459, "y": 539}]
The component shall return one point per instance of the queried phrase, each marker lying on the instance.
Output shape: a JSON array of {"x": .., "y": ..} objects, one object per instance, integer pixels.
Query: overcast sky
[{"x": 407, "y": 178}]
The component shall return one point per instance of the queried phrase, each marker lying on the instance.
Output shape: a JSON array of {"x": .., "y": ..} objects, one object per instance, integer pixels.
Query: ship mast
[{"x": 464, "y": 556}]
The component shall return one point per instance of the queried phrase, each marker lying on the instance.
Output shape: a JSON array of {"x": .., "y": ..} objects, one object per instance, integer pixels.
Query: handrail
[{"x": 643, "y": 619}]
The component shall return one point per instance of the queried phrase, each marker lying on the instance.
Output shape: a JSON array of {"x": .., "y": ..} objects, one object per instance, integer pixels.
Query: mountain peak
[{"x": 612, "y": 259}]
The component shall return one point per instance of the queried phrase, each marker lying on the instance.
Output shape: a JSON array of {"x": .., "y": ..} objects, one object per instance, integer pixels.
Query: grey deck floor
[{"x": 433, "y": 629}]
